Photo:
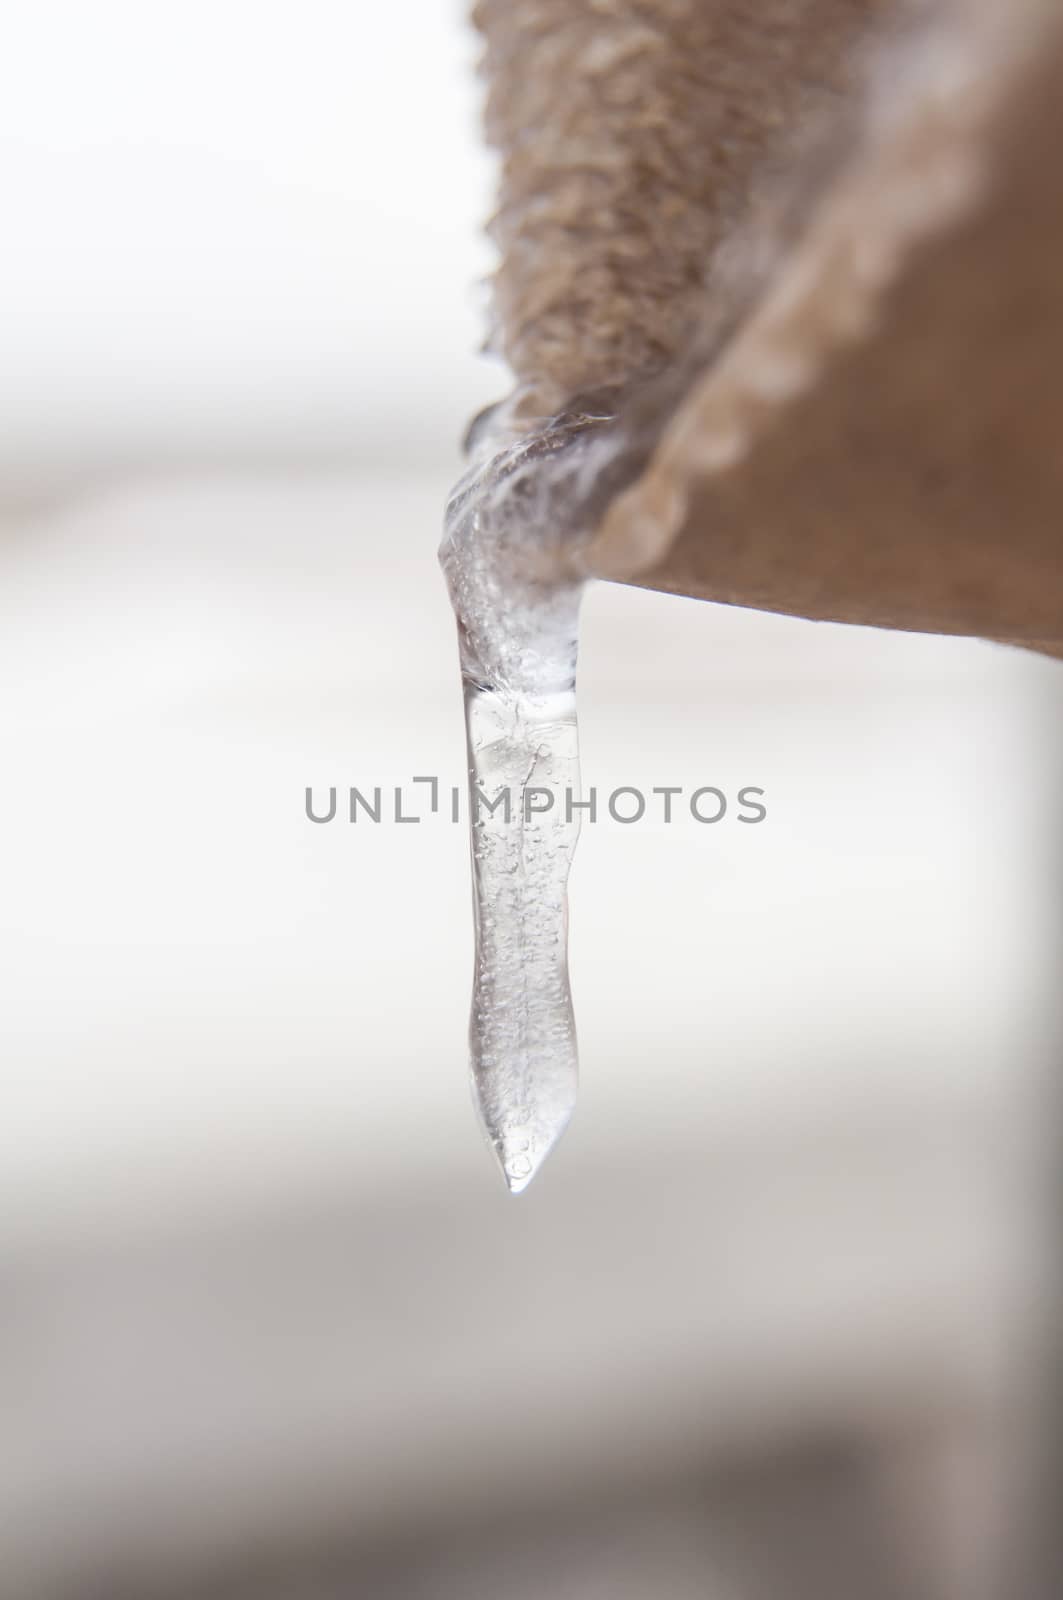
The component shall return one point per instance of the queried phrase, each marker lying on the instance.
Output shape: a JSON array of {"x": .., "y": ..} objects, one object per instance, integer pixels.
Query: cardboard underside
[{"x": 839, "y": 344}]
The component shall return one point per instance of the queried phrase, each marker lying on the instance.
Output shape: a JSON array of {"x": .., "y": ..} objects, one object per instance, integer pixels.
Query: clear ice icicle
[{"x": 518, "y": 617}]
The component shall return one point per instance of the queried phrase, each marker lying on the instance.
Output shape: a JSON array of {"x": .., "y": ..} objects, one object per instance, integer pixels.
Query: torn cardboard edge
[{"x": 878, "y": 439}]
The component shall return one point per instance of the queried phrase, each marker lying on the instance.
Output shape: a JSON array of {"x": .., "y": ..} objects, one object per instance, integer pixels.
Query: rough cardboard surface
[
  {"x": 632, "y": 133},
  {"x": 865, "y": 419}
]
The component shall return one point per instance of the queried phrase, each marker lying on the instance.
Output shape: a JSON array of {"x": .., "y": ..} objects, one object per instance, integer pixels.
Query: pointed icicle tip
[
  {"x": 520, "y": 1155},
  {"x": 516, "y": 1182}
]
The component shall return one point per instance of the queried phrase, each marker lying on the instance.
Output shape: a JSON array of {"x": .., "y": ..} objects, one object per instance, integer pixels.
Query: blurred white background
[
  {"x": 261, "y": 1282},
  {"x": 238, "y": 230}
]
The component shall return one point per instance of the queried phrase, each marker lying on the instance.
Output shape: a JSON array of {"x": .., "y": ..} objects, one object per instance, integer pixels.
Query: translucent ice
[{"x": 516, "y": 592}]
